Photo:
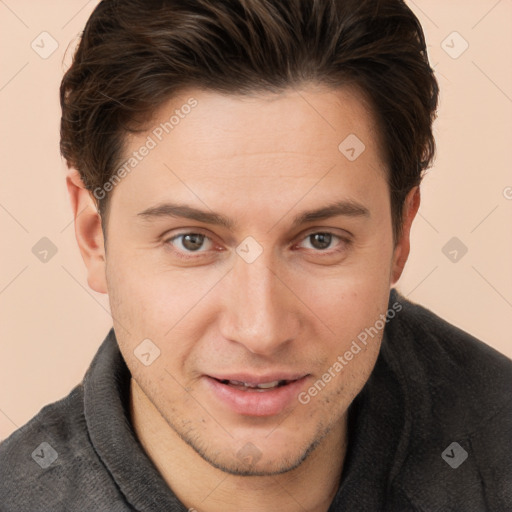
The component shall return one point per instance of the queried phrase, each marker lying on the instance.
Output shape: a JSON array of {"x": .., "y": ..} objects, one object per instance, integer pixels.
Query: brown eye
[
  {"x": 193, "y": 241},
  {"x": 187, "y": 243},
  {"x": 320, "y": 241}
]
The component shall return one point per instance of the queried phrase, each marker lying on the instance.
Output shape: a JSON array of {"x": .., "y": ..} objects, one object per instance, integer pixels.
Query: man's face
[{"x": 263, "y": 299}]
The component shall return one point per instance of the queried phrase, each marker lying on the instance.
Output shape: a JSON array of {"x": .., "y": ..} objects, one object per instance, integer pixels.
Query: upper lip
[{"x": 259, "y": 379}]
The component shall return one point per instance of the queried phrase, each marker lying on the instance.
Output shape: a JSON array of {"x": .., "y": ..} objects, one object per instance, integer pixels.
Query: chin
[
  {"x": 266, "y": 465},
  {"x": 259, "y": 455}
]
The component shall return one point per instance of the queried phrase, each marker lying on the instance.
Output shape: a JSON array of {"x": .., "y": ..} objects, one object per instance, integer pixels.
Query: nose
[{"x": 260, "y": 312}]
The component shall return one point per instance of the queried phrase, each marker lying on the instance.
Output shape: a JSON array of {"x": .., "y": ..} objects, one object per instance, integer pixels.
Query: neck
[{"x": 204, "y": 488}]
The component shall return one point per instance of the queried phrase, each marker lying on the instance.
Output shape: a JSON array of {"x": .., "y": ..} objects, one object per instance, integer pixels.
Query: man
[{"x": 244, "y": 176}]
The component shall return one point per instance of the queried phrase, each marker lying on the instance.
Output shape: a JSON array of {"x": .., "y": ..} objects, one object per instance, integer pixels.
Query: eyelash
[{"x": 194, "y": 255}]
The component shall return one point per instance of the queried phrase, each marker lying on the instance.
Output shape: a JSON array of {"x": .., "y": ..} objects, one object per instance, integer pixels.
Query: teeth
[
  {"x": 267, "y": 385},
  {"x": 263, "y": 385}
]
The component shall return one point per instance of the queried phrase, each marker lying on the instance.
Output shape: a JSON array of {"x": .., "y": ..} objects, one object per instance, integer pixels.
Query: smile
[
  {"x": 247, "y": 386},
  {"x": 266, "y": 397}
]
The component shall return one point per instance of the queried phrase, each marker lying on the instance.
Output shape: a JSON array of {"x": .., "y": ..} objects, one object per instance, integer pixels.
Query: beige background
[{"x": 52, "y": 323}]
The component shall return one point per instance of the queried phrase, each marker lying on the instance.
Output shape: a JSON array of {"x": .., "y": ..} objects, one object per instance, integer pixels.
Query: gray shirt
[{"x": 430, "y": 431}]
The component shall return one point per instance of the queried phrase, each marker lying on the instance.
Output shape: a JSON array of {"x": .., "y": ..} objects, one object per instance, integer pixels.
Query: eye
[
  {"x": 322, "y": 240},
  {"x": 189, "y": 242}
]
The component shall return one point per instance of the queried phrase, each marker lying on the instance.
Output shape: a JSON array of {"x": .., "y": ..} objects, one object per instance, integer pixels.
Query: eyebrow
[{"x": 347, "y": 208}]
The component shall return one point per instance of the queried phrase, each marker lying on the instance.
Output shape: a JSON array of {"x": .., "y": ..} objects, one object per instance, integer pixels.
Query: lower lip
[{"x": 256, "y": 403}]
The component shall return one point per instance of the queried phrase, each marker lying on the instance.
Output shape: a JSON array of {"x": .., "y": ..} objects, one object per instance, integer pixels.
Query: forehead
[
  {"x": 231, "y": 125},
  {"x": 260, "y": 143}
]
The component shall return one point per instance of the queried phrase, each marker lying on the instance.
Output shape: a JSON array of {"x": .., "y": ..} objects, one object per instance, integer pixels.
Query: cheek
[
  {"x": 166, "y": 306},
  {"x": 145, "y": 293},
  {"x": 142, "y": 304},
  {"x": 350, "y": 298}
]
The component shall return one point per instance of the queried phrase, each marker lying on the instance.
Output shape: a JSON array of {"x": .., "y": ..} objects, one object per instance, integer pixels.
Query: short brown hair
[{"x": 134, "y": 55}]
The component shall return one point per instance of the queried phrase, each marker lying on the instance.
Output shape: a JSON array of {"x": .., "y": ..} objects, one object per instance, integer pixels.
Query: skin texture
[{"x": 259, "y": 161}]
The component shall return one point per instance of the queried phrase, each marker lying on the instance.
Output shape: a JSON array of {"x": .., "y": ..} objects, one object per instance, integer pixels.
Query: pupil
[
  {"x": 323, "y": 238},
  {"x": 197, "y": 240}
]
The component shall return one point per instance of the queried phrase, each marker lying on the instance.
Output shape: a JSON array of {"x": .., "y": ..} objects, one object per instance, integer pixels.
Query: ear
[
  {"x": 88, "y": 232},
  {"x": 402, "y": 249}
]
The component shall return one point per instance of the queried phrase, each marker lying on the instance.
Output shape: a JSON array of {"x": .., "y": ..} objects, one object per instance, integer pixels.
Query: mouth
[
  {"x": 255, "y": 396},
  {"x": 248, "y": 386}
]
